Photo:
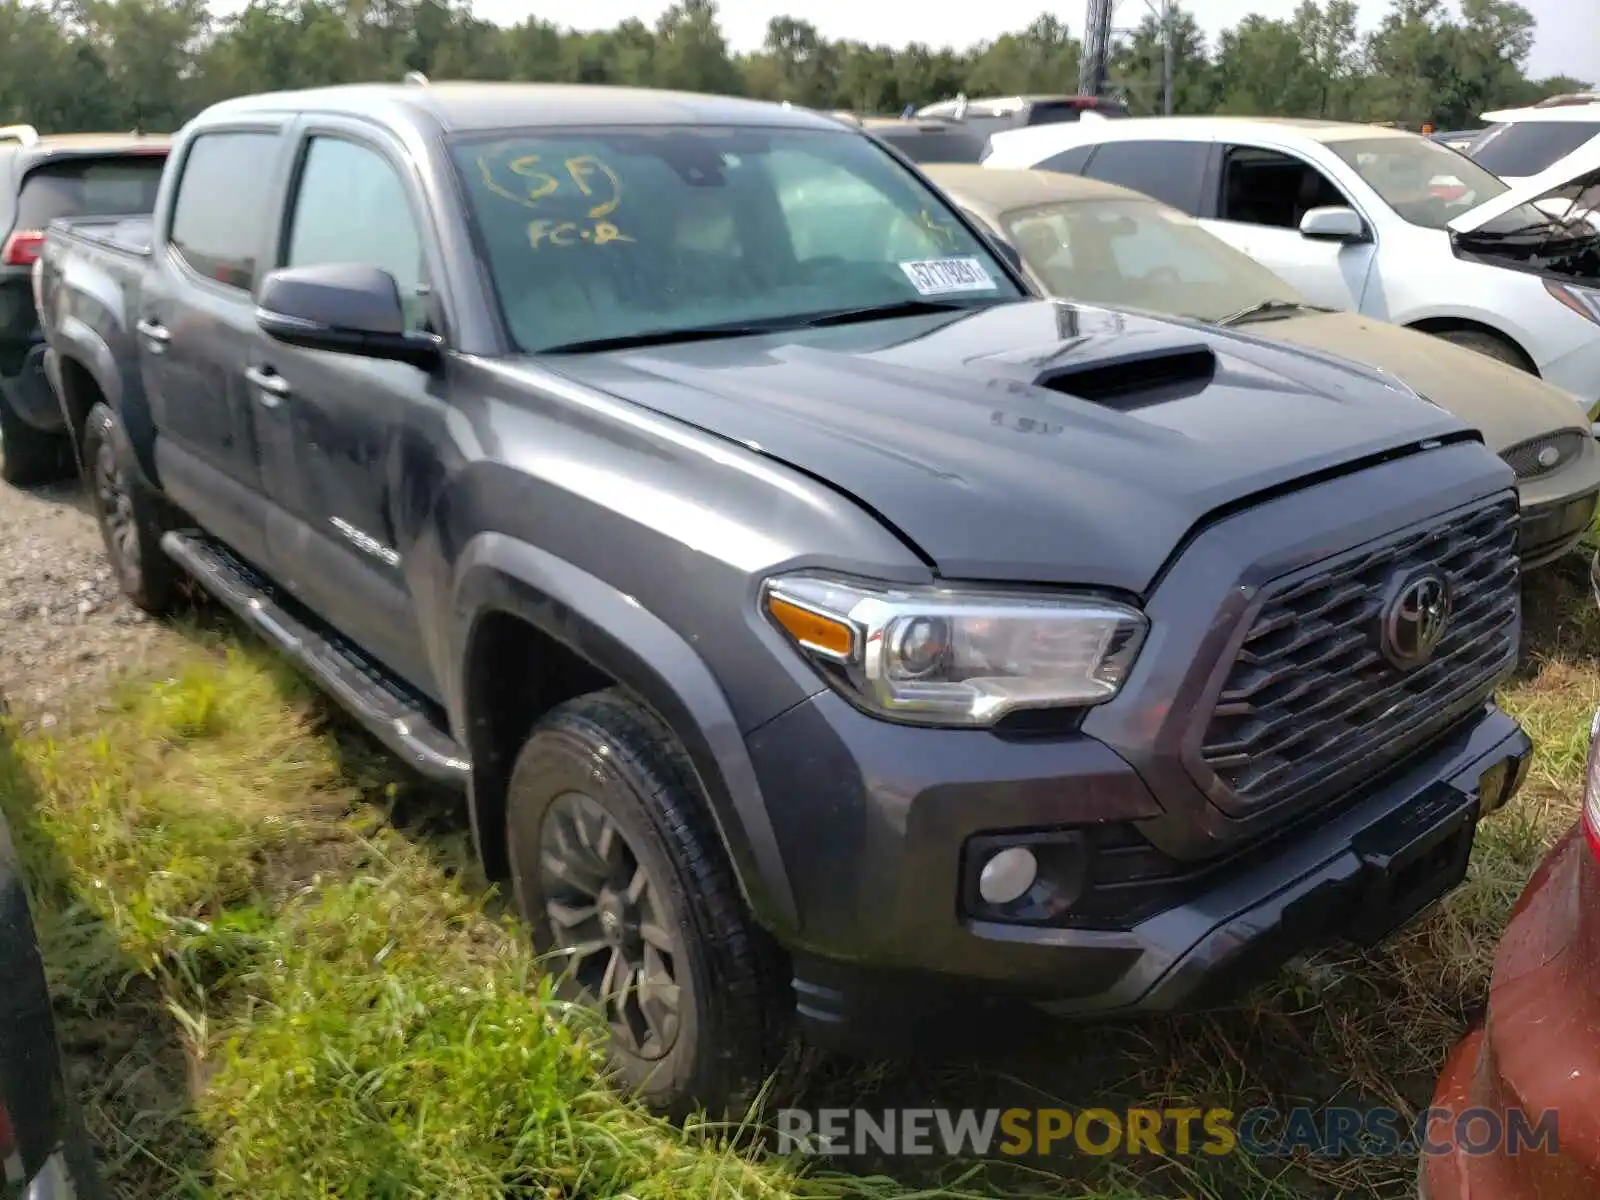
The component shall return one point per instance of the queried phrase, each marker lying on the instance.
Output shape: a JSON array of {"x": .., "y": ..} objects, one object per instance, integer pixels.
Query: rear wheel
[
  {"x": 619, "y": 871},
  {"x": 28, "y": 455},
  {"x": 129, "y": 515},
  {"x": 1488, "y": 344}
]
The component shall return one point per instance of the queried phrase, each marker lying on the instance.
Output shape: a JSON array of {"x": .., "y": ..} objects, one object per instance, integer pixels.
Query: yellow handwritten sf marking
[
  {"x": 585, "y": 167},
  {"x": 527, "y": 167},
  {"x": 486, "y": 171}
]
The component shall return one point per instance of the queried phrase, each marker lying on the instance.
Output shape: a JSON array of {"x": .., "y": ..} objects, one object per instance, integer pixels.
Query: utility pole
[
  {"x": 1169, "y": 35},
  {"x": 1097, "y": 33},
  {"x": 1096, "y": 47}
]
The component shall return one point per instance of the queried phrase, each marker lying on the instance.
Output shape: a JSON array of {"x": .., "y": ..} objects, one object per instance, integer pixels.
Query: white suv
[
  {"x": 1365, "y": 219},
  {"x": 1522, "y": 142}
]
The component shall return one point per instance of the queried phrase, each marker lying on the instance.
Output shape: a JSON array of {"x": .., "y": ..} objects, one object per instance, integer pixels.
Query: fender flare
[
  {"x": 75, "y": 340},
  {"x": 496, "y": 573}
]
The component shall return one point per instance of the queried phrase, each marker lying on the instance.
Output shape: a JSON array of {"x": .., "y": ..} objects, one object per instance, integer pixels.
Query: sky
[{"x": 1569, "y": 30}]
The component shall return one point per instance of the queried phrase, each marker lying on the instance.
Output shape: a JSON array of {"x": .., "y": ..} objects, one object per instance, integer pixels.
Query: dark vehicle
[
  {"x": 44, "y": 1152},
  {"x": 42, "y": 178},
  {"x": 928, "y": 140},
  {"x": 818, "y": 624},
  {"x": 1524, "y": 144}
]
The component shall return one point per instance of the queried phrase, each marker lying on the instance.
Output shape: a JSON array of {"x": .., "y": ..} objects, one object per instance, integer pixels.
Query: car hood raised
[
  {"x": 936, "y": 424},
  {"x": 1580, "y": 169},
  {"x": 1507, "y": 405}
]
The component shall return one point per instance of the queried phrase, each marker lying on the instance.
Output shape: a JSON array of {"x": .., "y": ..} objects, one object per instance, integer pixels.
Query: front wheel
[
  {"x": 128, "y": 514},
  {"x": 619, "y": 871},
  {"x": 1487, "y": 344}
]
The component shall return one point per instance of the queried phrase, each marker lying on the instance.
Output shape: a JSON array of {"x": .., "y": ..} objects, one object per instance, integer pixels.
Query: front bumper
[
  {"x": 889, "y": 938},
  {"x": 1552, "y": 529}
]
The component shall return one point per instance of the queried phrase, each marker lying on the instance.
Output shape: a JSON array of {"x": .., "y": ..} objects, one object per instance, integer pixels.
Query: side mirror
[
  {"x": 1333, "y": 224},
  {"x": 346, "y": 308}
]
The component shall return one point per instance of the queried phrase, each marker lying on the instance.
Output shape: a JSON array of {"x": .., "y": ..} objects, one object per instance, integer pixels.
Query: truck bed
[{"x": 126, "y": 234}]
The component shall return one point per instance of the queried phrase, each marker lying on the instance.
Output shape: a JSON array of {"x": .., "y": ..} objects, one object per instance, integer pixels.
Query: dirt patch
[{"x": 65, "y": 629}]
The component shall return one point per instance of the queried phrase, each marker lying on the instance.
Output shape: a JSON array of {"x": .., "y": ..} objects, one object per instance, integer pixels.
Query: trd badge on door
[{"x": 366, "y": 542}]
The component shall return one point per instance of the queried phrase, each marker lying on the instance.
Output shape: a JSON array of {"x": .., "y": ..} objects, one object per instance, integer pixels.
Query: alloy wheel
[
  {"x": 605, "y": 919},
  {"x": 115, "y": 506}
]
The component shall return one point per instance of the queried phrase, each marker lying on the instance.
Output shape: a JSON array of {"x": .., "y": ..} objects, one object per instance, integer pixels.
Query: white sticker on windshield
[{"x": 941, "y": 276}]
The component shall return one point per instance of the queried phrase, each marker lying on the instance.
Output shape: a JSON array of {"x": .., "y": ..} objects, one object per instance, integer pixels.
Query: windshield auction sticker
[{"x": 942, "y": 276}]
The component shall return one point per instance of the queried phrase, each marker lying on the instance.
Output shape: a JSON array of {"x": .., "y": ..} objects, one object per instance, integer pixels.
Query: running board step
[{"x": 384, "y": 708}]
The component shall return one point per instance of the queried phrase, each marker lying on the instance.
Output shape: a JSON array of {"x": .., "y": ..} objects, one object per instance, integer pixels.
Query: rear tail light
[
  {"x": 22, "y": 249},
  {"x": 1591, "y": 790}
]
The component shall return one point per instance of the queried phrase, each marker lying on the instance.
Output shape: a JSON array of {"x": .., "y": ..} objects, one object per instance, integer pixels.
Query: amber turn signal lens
[{"x": 812, "y": 630}]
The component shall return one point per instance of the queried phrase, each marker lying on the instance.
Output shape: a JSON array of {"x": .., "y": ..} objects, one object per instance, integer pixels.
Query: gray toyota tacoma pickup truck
[{"x": 824, "y": 631}]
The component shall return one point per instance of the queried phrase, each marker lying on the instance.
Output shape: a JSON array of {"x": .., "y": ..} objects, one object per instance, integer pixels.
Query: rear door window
[
  {"x": 89, "y": 187},
  {"x": 1519, "y": 149},
  {"x": 1068, "y": 162},
  {"x": 1170, "y": 172},
  {"x": 219, "y": 220}
]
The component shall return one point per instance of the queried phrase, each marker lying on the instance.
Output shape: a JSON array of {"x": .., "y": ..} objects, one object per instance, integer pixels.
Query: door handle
[
  {"x": 153, "y": 331},
  {"x": 270, "y": 387}
]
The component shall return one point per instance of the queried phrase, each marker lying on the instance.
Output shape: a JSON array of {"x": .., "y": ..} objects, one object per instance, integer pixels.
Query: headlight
[
  {"x": 942, "y": 656},
  {"x": 1581, "y": 300}
]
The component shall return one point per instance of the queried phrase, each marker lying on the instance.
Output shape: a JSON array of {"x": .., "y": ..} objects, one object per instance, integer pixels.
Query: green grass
[{"x": 279, "y": 974}]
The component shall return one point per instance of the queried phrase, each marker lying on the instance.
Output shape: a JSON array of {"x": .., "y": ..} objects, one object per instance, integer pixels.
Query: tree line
[{"x": 152, "y": 64}]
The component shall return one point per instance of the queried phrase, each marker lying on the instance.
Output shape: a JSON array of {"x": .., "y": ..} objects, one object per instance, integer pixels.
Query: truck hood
[
  {"x": 969, "y": 433},
  {"x": 1578, "y": 170},
  {"x": 1507, "y": 405}
]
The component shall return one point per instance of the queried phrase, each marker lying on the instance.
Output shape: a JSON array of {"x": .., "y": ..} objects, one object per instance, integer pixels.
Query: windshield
[
  {"x": 1519, "y": 149},
  {"x": 621, "y": 233},
  {"x": 1139, "y": 254},
  {"x": 1425, "y": 183}
]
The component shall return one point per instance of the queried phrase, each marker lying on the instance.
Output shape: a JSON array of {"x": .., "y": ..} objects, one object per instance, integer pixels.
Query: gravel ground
[{"x": 64, "y": 626}]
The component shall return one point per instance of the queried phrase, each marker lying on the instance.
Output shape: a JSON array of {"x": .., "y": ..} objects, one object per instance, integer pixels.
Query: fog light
[{"x": 1008, "y": 875}]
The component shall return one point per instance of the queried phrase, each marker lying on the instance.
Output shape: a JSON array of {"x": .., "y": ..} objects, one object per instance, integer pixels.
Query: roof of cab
[
  {"x": 1000, "y": 190},
  {"x": 75, "y": 145},
  {"x": 477, "y": 107},
  {"x": 1316, "y": 130}
]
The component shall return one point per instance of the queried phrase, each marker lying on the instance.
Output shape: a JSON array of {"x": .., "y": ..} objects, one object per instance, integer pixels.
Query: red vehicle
[{"x": 1538, "y": 1050}]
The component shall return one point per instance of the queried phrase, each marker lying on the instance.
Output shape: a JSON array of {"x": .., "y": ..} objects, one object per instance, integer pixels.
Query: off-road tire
[
  {"x": 736, "y": 1015},
  {"x": 1487, "y": 344},
  {"x": 30, "y": 456},
  {"x": 144, "y": 572}
]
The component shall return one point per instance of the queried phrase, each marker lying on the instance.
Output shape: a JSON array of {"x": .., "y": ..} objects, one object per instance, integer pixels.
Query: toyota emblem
[{"x": 1416, "y": 614}]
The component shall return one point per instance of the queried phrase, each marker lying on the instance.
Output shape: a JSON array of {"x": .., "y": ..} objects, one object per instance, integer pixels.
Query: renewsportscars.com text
[{"x": 1259, "y": 1132}]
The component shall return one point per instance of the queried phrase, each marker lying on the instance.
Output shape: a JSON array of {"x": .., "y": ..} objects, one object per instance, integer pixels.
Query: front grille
[
  {"x": 1311, "y": 706},
  {"x": 1558, "y": 449}
]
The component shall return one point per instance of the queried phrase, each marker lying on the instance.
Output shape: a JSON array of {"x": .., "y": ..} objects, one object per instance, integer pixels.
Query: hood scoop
[{"x": 1135, "y": 379}]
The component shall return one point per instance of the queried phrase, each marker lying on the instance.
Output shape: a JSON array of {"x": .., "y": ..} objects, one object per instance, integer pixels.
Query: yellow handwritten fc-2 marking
[{"x": 589, "y": 174}]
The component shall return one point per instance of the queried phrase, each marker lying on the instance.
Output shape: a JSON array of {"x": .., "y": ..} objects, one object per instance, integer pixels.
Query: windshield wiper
[
  {"x": 1270, "y": 308},
  {"x": 667, "y": 337},
  {"x": 884, "y": 312},
  {"x": 702, "y": 333}
]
